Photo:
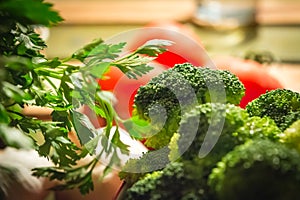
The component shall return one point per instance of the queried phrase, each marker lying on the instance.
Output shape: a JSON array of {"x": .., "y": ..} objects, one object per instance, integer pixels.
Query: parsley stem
[
  {"x": 15, "y": 112},
  {"x": 50, "y": 82}
]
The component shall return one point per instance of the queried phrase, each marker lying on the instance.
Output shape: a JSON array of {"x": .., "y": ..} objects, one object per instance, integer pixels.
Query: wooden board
[
  {"x": 123, "y": 11},
  {"x": 272, "y": 12},
  {"x": 142, "y": 11}
]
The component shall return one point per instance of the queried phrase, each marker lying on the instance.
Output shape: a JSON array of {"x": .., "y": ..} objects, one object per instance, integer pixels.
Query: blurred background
[{"x": 276, "y": 28}]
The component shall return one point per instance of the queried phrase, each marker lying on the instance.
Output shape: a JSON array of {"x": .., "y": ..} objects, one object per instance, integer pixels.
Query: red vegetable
[
  {"x": 186, "y": 48},
  {"x": 253, "y": 75}
]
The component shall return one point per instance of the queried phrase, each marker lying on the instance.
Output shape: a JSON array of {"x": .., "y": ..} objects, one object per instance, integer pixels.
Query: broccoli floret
[
  {"x": 291, "y": 136},
  {"x": 256, "y": 127},
  {"x": 136, "y": 168},
  {"x": 178, "y": 180},
  {"x": 231, "y": 124},
  {"x": 209, "y": 124},
  {"x": 166, "y": 97},
  {"x": 258, "y": 169},
  {"x": 282, "y": 105},
  {"x": 164, "y": 184},
  {"x": 221, "y": 125}
]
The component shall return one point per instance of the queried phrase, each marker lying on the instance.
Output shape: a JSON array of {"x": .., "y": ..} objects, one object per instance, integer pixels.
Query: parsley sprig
[{"x": 28, "y": 78}]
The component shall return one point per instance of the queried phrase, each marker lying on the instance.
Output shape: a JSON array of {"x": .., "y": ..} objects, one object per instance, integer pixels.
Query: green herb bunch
[{"x": 29, "y": 78}]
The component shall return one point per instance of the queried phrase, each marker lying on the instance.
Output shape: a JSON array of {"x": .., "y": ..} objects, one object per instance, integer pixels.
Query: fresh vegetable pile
[
  {"x": 212, "y": 148},
  {"x": 203, "y": 145}
]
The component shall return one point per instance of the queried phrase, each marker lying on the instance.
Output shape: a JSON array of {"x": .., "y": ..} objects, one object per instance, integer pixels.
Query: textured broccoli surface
[
  {"x": 215, "y": 149},
  {"x": 230, "y": 123},
  {"x": 150, "y": 161},
  {"x": 258, "y": 169},
  {"x": 156, "y": 185},
  {"x": 169, "y": 95},
  {"x": 178, "y": 180},
  {"x": 209, "y": 124},
  {"x": 282, "y": 105},
  {"x": 291, "y": 136},
  {"x": 221, "y": 125}
]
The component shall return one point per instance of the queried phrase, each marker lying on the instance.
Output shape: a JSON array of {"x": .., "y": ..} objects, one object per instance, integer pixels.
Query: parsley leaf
[{"x": 31, "y": 11}]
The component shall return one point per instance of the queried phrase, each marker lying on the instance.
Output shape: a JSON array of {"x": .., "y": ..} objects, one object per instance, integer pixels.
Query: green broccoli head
[
  {"x": 282, "y": 105},
  {"x": 291, "y": 136},
  {"x": 150, "y": 161},
  {"x": 180, "y": 180},
  {"x": 219, "y": 128},
  {"x": 209, "y": 127},
  {"x": 166, "y": 97},
  {"x": 258, "y": 127},
  {"x": 258, "y": 169},
  {"x": 164, "y": 184}
]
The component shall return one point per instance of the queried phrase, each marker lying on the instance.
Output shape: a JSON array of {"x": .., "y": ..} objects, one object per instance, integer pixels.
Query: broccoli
[
  {"x": 212, "y": 122},
  {"x": 212, "y": 144},
  {"x": 178, "y": 180},
  {"x": 166, "y": 97},
  {"x": 224, "y": 125},
  {"x": 136, "y": 168},
  {"x": 282, "y": 105},
  {"x": 234, "y": 129},
  {"x": 237, "y": 127},
  {"x": 291, "y": 136},
  {"x": 156, "y": 185},
  {"x": 258, "y": 169}
]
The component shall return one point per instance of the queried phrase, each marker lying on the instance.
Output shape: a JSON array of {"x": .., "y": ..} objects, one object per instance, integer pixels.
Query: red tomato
[
  {"x": 186, "y": 48},
  {"x": 255, "y": 77}
]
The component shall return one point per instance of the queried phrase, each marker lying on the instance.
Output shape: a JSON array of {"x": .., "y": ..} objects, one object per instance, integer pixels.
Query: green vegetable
[
  {"x": 28, "y": 78},
  {"x": 206, "y": 133},
  {"x": 291, "y": 136},
  {"x": 155, "y": 185},
  {"x": 282, "y": 105},
  {"x": 258, "y": 169},
  {"x": 148, "y": 162},
  {"x": 220, "y": 128},
  {"x": 168, "y": 96},
  {"x": 213, "y": 129},
  {"x": 172, "y": 182}
]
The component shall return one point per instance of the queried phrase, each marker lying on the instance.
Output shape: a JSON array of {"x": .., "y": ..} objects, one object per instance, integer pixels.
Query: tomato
[
  {"x": 186, "y": 47},
  {"x": 255, "y": 77}
]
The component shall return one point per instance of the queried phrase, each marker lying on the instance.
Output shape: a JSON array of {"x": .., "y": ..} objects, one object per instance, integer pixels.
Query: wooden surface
[
  {"x": 278, "y": 12},
  {"x": 143, "y": 11},
  {"x": 123, "y": 11}
]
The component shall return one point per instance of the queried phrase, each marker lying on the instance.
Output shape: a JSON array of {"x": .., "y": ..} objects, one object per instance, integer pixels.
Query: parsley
[{"x": 28, "y": 78}]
